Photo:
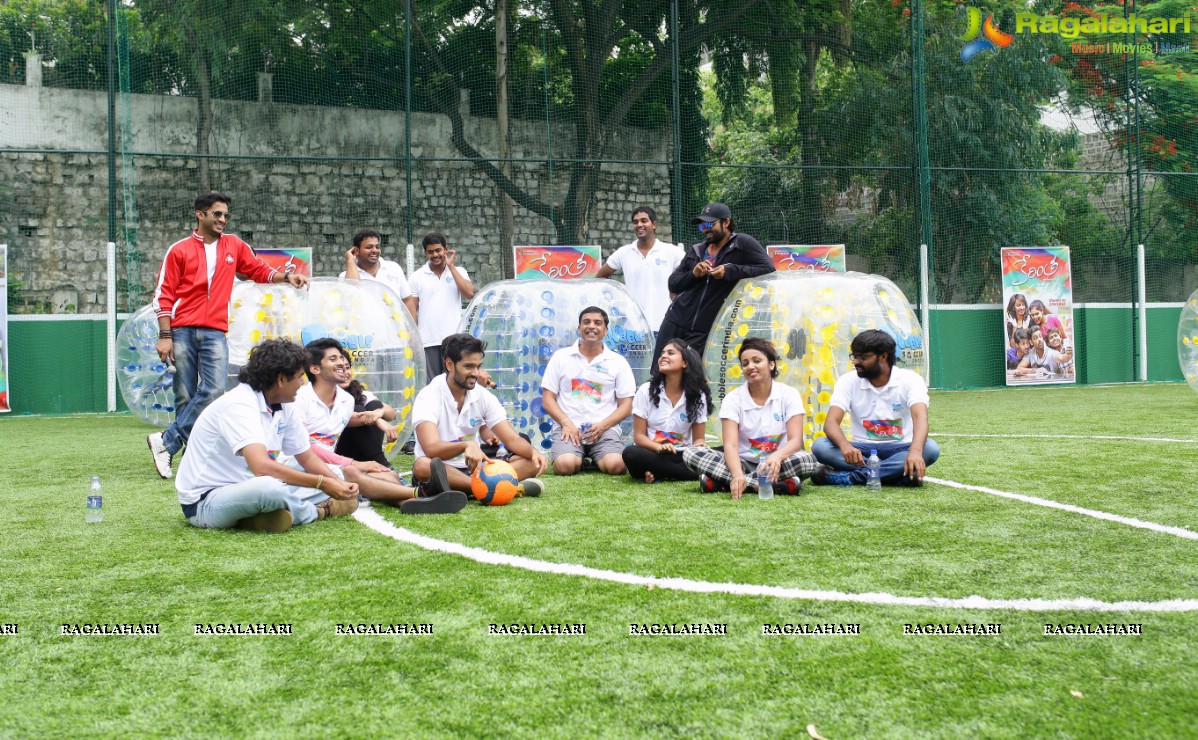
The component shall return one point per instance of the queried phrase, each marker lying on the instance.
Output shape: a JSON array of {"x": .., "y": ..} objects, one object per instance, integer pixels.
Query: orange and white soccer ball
[{"x": 494, "y": 483}]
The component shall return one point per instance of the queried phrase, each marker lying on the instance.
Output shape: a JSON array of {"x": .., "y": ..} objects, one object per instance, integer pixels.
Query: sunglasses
[
  {"x": 220, "y": 215},
  {"x": 706, "y": 226}
]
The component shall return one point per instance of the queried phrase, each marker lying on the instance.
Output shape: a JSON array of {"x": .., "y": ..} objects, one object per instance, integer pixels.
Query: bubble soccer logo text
[{"x": 992, "y": 38}]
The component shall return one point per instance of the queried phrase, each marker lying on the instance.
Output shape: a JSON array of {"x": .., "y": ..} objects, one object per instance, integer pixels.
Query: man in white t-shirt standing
[
  {"x": 439, "y": 287},
  {"x": 587, "y": 389},
  {"x": 230, "y": 476},
  {"x": 448, "y": 414},
  {"x": 364, "y": 261},
  {"x": 889, "y": 410},
  {"x": 646, "y": 264},
  {"x": 327, "y": 410}
]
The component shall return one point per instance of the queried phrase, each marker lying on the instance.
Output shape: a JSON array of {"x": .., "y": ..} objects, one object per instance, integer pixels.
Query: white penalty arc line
[{"x": 377, "y": 523}]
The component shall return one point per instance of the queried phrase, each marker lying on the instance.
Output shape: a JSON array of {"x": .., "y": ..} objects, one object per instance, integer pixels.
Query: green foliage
[{"x": 1156, "y": 128}]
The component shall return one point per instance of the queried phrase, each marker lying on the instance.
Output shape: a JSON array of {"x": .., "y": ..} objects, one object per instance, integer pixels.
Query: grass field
[{"x": 144, "y": 564}]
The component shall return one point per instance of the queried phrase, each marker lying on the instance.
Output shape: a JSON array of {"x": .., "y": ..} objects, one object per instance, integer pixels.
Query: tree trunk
[
  {"x": 784, "y": 73},
  {"x": 507, "y": 223},
  {"x": 203, "y": 122},
  {"x": 692, "y": 146},
  {"x": 574, "y": 224}
]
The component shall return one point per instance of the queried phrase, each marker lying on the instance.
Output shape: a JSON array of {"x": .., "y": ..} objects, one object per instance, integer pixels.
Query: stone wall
[{"x": 298, "y": 176}]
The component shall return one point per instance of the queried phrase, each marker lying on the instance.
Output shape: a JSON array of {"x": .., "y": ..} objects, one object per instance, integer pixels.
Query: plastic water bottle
[
  {"x": 765, "y": 489},
  {"x": 95, "y": 501},
  {"x": 873, "y": 472}
]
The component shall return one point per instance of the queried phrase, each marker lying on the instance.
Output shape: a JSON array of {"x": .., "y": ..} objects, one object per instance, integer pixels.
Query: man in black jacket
[{"x": 707, "y": 275}]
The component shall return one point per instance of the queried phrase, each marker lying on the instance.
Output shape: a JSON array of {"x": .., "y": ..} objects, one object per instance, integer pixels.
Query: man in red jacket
[{"x": 193, "y": 291}]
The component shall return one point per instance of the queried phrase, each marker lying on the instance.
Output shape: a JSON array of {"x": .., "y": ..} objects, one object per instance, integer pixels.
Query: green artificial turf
[{"x": 144, "y": 564}]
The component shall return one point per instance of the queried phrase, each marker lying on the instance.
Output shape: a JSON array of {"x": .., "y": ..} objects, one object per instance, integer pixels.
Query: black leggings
[
  {"x": 640, "y": 460},
  {"x": 365, "y": 442}
]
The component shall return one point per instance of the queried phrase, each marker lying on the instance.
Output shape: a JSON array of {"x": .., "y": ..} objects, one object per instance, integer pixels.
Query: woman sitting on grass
[
  {"x": 668, "y": 413},
  {"x": 363, "y": 438},
  {"x": 763, "y": 431}
]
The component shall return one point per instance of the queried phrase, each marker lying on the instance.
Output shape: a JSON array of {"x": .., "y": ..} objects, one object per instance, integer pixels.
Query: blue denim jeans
[
  {"x": 201, "y": 371},
  {"x": 224, "y": 507},
  {"x": 892, "y": 456}
]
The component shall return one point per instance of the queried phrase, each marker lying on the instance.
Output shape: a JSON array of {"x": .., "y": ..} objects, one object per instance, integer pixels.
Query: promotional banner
[
  {"x": 557, "y": 263},
  {"x": 1038, "y": 315},
  {"x": 820, "y": 258},
  {"x": 298, "y": 260},
  {"x": 4, "y": 404}
]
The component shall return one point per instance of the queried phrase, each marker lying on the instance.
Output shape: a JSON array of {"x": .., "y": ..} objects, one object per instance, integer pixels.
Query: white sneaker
[{"x": 162, "y": 458}]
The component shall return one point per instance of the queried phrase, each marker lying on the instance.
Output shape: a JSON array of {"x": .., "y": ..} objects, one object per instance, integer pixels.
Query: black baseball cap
[{"x": 713, "y": 212}]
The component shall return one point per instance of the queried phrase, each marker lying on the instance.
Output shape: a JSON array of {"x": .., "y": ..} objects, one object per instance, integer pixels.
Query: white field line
[
  {"x": 1182, "y": 532},
  {"x": 377, "y": 523},
  {"x": 1070, "y": 436}
]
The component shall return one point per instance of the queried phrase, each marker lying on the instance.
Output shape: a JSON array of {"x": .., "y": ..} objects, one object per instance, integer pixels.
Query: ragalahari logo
[{"x": 991, "y": 38}]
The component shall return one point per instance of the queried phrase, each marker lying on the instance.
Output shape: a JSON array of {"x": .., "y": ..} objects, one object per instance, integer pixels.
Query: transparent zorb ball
[
  {"x": 524, "y": 322},
  {"x": 811, "y": 318}
]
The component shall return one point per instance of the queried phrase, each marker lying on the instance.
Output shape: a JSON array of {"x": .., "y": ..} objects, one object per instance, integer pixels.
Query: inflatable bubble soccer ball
[
  {"x": 524, "y": 322},
  {"x": 146, "y": 382},
  {"x": 811, "y": 317},
  {"x": 494, "y": 483},
  {"x": 366, "y": 316},
  {"x": 1187, "y": 340}
]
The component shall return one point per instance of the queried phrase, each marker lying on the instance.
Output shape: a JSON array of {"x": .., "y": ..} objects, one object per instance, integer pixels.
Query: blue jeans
[
  {"x": 224, "y": 507},
  {"x": 892, "y": 456},
  {"x": 201, "y": 371}
]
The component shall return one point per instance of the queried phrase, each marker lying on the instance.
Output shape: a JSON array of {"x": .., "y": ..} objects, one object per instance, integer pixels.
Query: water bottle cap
[
  {"x": 95, "y": 479},
  {"x": 873, "y": 452}
]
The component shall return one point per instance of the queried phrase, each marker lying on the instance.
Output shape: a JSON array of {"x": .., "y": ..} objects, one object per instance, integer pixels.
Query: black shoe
[
  {"x": 446, "y": 502},
  {"x": 437, "y": 482},
  {"x": 409, "y": 448}
]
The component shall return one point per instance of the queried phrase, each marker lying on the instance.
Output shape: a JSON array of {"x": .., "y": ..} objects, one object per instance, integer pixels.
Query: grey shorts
[{"x": 611, "y": 443}]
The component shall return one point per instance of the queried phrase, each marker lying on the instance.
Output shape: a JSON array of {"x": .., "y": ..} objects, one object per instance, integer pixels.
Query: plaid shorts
[{"x": 710, "y": 462}]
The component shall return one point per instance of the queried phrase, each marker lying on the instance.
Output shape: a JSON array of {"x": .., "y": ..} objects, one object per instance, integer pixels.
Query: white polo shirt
[
  {"x": 762, "y": 428},
  {"x": 646, "y": 276},
  {"x": 391, "y": 274},
  {"x": 436, "y": 404},
  {"x": 440, "y": 303},
  {"x": 881, "y": 415},
  {"x": 324, "y": 423},
  {"x": 588, "y": 390},
  {"x": 666, "y": 424},
  {"x": 232, "y": 422}
]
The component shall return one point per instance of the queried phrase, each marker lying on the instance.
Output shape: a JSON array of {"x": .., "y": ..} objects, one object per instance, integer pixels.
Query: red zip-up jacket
[{"x": 183, "y": 280}]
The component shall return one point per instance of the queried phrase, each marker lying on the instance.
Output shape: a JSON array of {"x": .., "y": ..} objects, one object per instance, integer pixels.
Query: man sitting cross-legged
[
  {"x": 889, "y": 408},
  {"x": 587, "y": 389},
  {"x": 327, "y": 410},
  {"x": 448, "y": 414},
  {"x": 229, "y": 476}
]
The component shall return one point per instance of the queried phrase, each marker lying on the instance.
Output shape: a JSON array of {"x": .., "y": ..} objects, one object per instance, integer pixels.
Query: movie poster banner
[
  {"x": 819, "y": 258},
  {"x": 4, "y": 404},
  {"x": 557, "y": 263},
  {"x": 1038, "y": 315},
  {"x": 297, "y": 260}
]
